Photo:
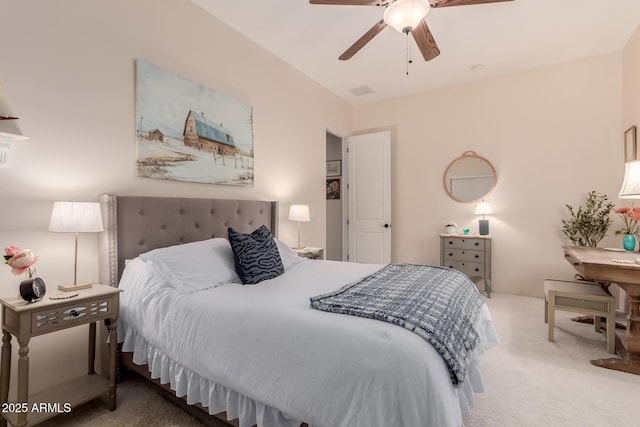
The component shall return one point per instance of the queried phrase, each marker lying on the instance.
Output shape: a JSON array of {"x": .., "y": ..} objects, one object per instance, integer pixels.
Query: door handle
[{"x": 386, "y": 225}]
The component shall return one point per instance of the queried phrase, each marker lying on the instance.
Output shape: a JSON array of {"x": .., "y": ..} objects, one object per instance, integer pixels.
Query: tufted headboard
[{"x": 134, "y": 225}]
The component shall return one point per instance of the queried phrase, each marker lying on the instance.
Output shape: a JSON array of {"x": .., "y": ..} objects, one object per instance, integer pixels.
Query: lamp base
[
  {"x": 71, "y": 288},
  {"x": 484, "y": 227}
]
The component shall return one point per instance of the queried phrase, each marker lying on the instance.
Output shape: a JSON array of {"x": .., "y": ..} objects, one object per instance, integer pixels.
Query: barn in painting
[{"x": 205, "y": 135}]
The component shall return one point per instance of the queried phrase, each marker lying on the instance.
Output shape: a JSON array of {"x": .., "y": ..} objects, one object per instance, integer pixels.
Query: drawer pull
[
  {"x": 477, "y": 244},
  {"x": 450, "y": 254},
  {"x": 74, "y": 313},
  {"x": 477, "y": 269},
  {"x": 477, "y": 256}
]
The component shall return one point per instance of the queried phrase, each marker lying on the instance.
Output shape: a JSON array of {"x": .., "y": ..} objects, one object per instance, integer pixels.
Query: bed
[{"x": 260, "y": 354}]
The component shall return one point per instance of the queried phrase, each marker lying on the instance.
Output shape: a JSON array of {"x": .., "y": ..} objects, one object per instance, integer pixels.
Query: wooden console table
[{"x": 619, "y": 268}]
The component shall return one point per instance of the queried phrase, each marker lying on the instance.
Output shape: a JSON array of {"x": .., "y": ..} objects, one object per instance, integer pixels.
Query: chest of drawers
[{"x": 469, "y": 254}]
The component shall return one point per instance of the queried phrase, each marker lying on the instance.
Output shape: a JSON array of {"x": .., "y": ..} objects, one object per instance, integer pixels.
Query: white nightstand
[
  {"x": 310, "y": 253},
  {"x": 26, "y": 320}
]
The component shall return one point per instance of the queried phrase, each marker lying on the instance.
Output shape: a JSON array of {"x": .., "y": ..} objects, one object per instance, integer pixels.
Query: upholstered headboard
[{"x": 134, "y": 225}]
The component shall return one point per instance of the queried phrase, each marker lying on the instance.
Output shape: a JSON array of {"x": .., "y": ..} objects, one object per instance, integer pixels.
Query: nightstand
[
  {"x": 310, "y": 253},
  {"x": 26, "y": 320},
  {"x": 470, "y": 254}
]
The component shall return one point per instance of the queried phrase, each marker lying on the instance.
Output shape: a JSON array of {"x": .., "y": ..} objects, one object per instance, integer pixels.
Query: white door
[{"x": 369, "y": 195}]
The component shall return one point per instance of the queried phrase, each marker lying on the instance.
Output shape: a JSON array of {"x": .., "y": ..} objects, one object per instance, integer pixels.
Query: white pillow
[
  {"x": 195, "y": 266},
  {"x": 289, "y": 256}
]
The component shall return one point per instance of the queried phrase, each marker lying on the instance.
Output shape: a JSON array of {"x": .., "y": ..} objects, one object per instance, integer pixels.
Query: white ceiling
[{"x": 502, "y": 37}]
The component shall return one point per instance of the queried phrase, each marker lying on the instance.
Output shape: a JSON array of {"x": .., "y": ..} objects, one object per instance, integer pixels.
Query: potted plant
[{"x": 589, "y": 223}]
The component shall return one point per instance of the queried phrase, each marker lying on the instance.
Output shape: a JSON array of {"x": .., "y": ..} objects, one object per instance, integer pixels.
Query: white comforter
[{"x": 287, "y": 361}]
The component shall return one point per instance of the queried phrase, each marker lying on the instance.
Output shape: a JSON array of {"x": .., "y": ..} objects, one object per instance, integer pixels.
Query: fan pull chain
[{"x": 409, "y": 60}]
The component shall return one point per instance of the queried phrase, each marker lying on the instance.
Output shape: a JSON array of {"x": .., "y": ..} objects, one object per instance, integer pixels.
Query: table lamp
[
  {"x": 299, "y": 213},
  {"x": 483, "y": 208},
  {"x": 75, "y": 217},
  {"x": 631, "y": 184}
]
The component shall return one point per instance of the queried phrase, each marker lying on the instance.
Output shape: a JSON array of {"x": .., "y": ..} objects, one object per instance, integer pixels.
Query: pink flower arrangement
[
  {"x": 631, "y": 217},
  {"x": 20, "y": 260}
]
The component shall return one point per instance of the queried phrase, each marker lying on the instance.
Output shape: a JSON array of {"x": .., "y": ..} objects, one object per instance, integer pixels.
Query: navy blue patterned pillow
[{"x": 256, "y": 255}]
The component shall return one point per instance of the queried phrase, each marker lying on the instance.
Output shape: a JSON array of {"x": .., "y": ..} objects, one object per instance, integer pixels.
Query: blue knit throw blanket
[{"x": 440, "y": 304}]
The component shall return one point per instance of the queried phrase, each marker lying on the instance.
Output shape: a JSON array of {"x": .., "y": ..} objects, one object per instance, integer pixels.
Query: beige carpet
[
  {"x": 139, "y": 405},
  {"x": 532, "y": 382},
  {"x": 529, "y": 381}
]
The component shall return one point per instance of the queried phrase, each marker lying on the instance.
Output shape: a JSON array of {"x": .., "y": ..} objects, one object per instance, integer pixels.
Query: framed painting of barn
[{"x": 188, "y": 132}]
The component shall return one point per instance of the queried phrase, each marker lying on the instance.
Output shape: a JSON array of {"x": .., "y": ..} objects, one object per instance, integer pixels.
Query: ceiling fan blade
[
  {"x": 425, "y": 41},
  {"x": 347, "y": 2},
  {"x": 446, "y": 3},
  {"x": 366, "y": 38}
]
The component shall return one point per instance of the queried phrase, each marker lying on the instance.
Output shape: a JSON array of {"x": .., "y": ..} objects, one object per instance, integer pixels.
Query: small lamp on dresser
[
  {"x": 483, "y": 208},
  {"x": 75, "y": 217},
  {"x": 299, "y": 213}
]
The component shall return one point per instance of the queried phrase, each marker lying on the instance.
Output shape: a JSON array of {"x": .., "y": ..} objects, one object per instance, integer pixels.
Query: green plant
[{"x": 590, "y": 222}]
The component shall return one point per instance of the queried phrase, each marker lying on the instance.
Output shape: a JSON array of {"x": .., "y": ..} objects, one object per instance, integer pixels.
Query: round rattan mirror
[{"x": 469, "y": 178}]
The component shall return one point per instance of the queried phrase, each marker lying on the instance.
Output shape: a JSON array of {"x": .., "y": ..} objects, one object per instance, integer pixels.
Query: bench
[{"x": 580, "y": 297}]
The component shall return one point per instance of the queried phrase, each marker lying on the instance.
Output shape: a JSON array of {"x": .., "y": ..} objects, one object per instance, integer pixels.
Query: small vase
[{"x": 629, "y": 242}]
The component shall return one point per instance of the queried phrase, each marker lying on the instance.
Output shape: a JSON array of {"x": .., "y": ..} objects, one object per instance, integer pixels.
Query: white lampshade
[
  {"x": 631, "y": 184},
  {"x": 76, "y": 217},
  {"x": 299, "y": 213},
  {"x": 405, "y": 15},
  {"x": 483, "y": 208}
]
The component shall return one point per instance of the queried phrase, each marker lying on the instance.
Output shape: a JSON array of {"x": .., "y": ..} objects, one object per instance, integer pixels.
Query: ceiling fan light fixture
[{"x": 405, "y": 15}]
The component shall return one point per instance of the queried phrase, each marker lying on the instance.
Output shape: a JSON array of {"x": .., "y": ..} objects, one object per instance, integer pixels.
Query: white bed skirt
[
  {"x": 213, "y": 396},
  {"x": 219, "y": 398}
]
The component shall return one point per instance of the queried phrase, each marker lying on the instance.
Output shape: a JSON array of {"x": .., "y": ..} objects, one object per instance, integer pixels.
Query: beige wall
[
  {"x": 69, "y": 68},
  {"x": 631, "y": 82},
  {"x": 553, "y": 135}
]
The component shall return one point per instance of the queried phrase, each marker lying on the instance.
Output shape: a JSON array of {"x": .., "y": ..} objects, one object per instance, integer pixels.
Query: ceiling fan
[{"x": 406, "y": 16}]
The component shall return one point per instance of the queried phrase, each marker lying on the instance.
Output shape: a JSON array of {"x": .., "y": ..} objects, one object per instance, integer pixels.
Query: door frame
[
  {"x": 344, "y": 185},
  {"x": 345, "y": 198}
]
